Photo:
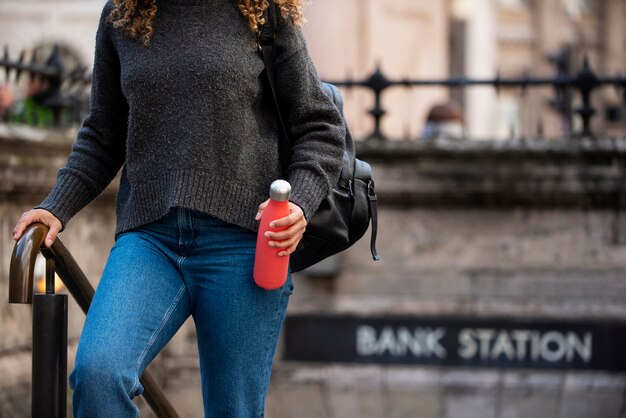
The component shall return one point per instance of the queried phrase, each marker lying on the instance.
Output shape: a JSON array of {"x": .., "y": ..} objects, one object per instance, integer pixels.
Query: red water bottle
[{"x": 270, "y": 269}]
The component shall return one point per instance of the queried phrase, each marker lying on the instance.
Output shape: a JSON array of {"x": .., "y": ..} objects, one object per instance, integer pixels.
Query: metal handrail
[{"x": 21, "y": 274}]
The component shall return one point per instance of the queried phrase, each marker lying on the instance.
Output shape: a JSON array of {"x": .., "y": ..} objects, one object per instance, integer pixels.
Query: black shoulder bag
[{"x": 344, "y": 215}]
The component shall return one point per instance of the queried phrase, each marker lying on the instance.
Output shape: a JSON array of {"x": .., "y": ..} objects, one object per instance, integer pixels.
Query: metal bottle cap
[{"x": 280, "y": 190}]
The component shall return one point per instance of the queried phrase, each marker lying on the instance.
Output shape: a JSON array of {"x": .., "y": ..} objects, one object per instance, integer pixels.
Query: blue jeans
[{"x": 186, "y": 263}]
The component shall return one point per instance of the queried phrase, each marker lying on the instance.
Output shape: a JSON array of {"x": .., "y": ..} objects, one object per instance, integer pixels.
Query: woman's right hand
[{"x": 38, "y": 215}]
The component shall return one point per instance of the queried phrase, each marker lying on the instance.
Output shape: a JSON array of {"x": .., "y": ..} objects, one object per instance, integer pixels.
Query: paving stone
[
  {"x": 357, "y": 402},
  {"x": 415, "y": 404},
  {"x": 468, "y": 404},
  {"x": 591, "y": 405},
  {"x": 532, "y": 380},
  {"x": 474, "y": 379},
  {"x": 301, "y": 401},
  {"x": 529, "y": 404}
]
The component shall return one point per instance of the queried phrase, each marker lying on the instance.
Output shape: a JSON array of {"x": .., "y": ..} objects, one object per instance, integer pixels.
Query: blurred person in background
[
  {"x": 445, "y": 121},
  {"x": 6, "y": 102},
  {"x": 31, "y": 109}
]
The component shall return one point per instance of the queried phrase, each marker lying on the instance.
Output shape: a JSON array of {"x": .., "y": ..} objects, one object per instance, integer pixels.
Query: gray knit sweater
[{"x": 190, "y": 122}]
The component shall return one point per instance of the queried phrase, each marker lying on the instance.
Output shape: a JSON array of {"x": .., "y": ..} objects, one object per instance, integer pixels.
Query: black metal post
[
  {"x": 378, "y": 83},
  {"x": 49, "y": 374},
  {"x": 562, "y": 101},
  {"x": 21, "y": 291},
  {"x": 587, "y": 82}
]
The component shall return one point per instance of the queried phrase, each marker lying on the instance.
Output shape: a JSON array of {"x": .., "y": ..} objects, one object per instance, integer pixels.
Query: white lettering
[
  {"x": 557, "y": 351},
  {"x": 468, "y": 348},
  {"x": 535, "y": 350},
  {"x": 476, "y": 343},
  {"x": 521, "y": 337},
  {"x": 551, "y": 346},
  {"x": 502, "y": 345},
  {"x": 575, "y": 344},
  {"x": 365, "y": 340},
  {"x": 387, "y": 342},
  {"x": 410, "y": 341},
  {"x": 433, "y": 344},
  {"x": 485, "y": 336},
  {"x": 421, "y": 342}
]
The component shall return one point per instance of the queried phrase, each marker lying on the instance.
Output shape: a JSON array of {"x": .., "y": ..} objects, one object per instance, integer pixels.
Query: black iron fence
[
  {"x": 585, "y": 82},
  {"x": 66, "y": 107}
]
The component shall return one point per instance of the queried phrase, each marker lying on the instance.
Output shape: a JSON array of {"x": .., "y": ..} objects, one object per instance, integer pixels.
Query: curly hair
[{"x": 136, "y": 16}]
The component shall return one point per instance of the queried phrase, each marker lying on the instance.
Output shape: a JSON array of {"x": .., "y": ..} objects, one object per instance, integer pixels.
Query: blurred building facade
[
  {"x": 528, "y": 31},
  {"x": 475, "y": 38}
]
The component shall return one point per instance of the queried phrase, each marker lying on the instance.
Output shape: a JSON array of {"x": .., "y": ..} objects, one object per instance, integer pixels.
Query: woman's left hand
[{"x": 289, "y": 237}]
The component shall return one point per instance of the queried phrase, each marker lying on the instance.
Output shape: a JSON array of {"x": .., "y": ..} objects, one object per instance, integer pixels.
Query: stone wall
[
  {"x": 470, "y": 229},
  {"x": 481, "y": 230}
]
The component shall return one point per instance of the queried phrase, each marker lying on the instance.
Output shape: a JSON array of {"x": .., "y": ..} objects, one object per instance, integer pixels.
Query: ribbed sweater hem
[{"x": 226, "y": 199}]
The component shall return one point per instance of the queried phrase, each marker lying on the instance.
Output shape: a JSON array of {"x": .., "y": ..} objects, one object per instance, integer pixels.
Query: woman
[{"x": 179, "y": 103}]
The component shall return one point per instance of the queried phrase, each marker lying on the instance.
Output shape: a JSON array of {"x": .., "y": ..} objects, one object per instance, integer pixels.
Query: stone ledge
[
  {"x": 30, "y": 159},
  {"x": 436, "y": 306},
  {"x": 484, "y": 173},
  {"x": 375, "y": 376},
  {"x": 399, "y": 150}
]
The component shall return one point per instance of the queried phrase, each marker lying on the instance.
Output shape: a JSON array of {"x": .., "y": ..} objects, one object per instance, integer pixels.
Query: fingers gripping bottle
[{"x": 270, "y": 269}]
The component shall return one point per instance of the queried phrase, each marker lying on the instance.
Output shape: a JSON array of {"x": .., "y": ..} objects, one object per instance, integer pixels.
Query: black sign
[{"x": 456, "y": 342}]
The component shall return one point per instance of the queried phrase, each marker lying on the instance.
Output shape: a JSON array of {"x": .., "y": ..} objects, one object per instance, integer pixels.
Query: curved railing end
[{"x": 22, "y": 265}]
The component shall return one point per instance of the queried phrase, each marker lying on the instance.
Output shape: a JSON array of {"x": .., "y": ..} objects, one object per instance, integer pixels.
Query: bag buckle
[{"x": 370, "y": 190}]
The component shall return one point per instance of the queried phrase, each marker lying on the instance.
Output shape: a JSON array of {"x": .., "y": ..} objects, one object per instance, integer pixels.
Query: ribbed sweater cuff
[
  {"x": 307, "y": 191},
  {"x": 67, "y": 197}
]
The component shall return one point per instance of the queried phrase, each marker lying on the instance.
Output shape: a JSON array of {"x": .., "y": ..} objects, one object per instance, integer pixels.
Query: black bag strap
[
  {"x": 267, "y": 34},
  {"x": 267, "y": 31},
  {"x": 373, "y": 207}
]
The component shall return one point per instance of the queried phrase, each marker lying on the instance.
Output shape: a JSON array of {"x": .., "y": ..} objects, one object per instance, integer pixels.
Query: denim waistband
[{"x": 188, "y": 223}]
